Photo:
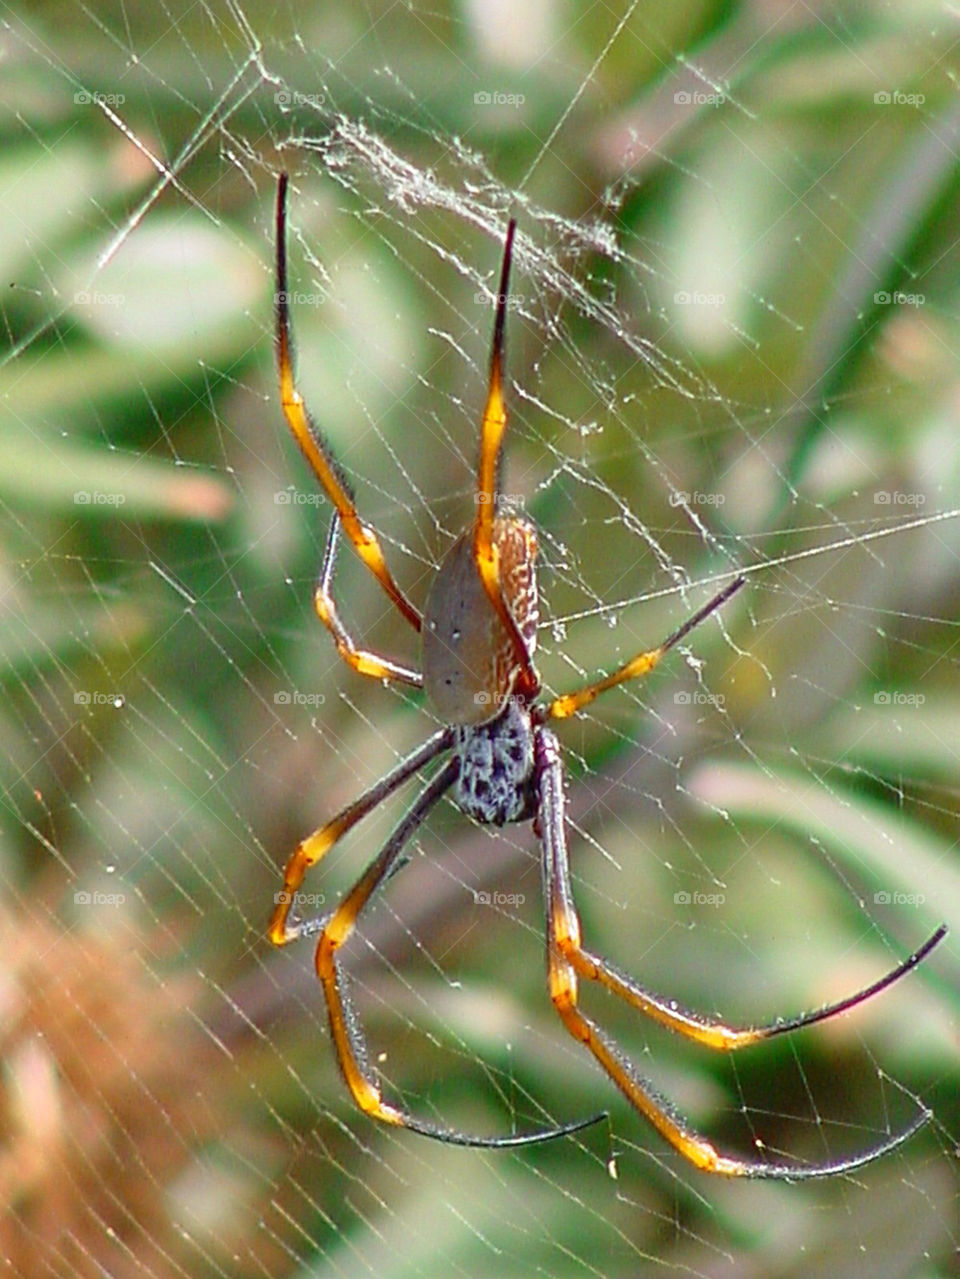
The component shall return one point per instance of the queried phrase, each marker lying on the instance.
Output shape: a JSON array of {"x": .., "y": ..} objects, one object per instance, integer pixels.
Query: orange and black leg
[
  {"x": 310, "y": 850},
  {"x": 567, "y": 961},
  {"x": 348, "y": 1037},
  {"x": 316, "y": 451},
  {"x": 643, "y": 663},
  {"x": 363, "y": 661},
  {"x": 486, "y": 552}
]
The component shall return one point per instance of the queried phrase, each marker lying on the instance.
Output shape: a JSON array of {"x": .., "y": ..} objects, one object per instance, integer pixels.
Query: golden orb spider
[{"x": 478, "y": 638}]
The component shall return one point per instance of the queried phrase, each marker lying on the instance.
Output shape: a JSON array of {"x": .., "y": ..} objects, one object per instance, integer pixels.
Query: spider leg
[
  {"x": 642, "y": 664},
  {"x": 486, "y": 553},
  {"x": 310, "y": 850},
  {"x": 348, "y": 1038},
  {"x": 717, "y": 1034},
  {"x": 311, "y": 442},
  {"x": 566, "y": 959},
  {"x": 362, "y": 660}
]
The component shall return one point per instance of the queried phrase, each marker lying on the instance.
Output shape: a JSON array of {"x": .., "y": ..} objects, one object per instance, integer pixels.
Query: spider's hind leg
[
  {"x": 567, "y": 961},
  {"x": 348, "y": 1037},
  {"x": 310, "y": 850}
]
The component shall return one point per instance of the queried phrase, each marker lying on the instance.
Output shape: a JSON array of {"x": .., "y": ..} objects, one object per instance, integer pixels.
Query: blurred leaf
[
  {"x": 84, "y": 480},
  {"x": 909, "y": 868},
  {"x": 901, "y": 734}
]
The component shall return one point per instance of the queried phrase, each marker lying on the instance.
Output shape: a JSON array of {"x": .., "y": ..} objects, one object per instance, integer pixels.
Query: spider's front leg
[
  {"x": 315, "y": 448},
  {"x": 567, "y": 961},
  {"x": 486, "y": 548}
]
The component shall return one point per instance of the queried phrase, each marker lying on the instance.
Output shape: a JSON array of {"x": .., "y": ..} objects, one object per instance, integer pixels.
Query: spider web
[{"x": 732, "y": 346}]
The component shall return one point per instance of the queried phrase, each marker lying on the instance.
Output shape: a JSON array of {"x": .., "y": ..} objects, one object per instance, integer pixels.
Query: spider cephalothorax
[{"x": 478, "y": 639}]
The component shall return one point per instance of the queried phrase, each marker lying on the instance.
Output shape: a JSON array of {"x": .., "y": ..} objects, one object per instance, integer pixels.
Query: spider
[{"x": 478, "y": 635}]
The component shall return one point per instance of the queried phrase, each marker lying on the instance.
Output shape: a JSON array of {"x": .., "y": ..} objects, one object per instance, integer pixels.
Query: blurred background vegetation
[{"x": 733, "y": 342}]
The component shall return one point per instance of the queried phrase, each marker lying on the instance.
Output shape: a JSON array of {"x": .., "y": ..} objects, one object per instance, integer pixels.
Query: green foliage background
[{"x": 724, "y": 182}]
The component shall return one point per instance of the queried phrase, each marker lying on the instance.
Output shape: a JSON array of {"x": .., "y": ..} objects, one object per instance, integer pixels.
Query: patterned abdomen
[{"x": 497, "y": 783}]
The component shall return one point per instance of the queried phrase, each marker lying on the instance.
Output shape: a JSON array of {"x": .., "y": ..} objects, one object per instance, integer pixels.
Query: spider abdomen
[
  {"x": 469, "y": 667},
  {"x": 497, "y": 782}
]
